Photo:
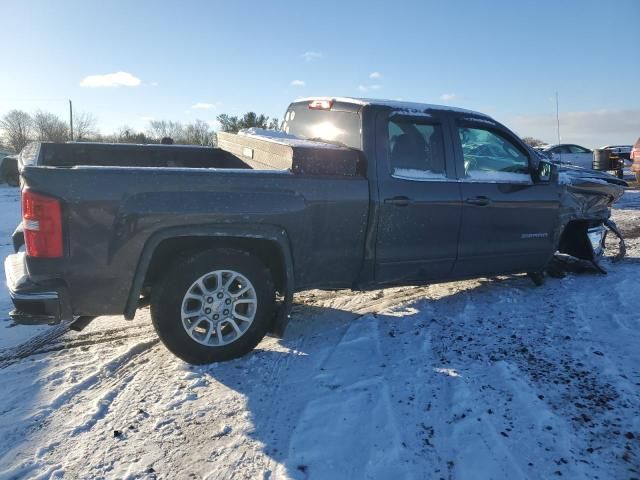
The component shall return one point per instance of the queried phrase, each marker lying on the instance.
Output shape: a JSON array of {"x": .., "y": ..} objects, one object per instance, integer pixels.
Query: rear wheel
[{"x": 213, "y": 306}]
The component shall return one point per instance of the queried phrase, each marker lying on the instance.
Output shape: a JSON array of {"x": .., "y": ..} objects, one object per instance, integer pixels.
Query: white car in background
[{"x": 571, "y": 154}]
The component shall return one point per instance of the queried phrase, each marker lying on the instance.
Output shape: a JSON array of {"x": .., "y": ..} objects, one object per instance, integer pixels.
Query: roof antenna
[{"x": 558, "y": 123}]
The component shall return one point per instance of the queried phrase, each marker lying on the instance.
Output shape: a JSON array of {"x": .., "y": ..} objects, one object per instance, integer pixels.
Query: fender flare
[{"x": 269, "y": 233}]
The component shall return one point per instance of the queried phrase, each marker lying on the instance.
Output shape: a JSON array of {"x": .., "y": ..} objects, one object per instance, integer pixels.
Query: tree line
[{"x": 18, "y": 128}]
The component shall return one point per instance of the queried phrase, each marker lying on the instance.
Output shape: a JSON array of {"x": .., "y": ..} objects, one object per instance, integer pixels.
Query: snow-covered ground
[{"x": 487, "y": 378}]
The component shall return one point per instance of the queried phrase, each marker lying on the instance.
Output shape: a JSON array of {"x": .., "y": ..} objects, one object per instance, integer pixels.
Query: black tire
[
  {"x": 537, "y": 278},
  {"x": 167, "y": 296}
]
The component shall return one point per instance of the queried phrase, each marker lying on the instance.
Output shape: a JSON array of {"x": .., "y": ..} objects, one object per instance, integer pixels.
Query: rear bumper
[{"x": 35, "y": 303}]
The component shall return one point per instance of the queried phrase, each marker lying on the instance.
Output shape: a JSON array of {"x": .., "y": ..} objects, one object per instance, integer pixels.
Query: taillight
[
  {"x": 321, "y": 104},
  {"x": 42, "y": 224}
]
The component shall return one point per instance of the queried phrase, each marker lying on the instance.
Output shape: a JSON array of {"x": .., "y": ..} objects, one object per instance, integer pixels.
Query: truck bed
[
  {"x": 111, "y": 213},
  {"x": 263, "y": 151},
  {"x": 128, "y": 155}
]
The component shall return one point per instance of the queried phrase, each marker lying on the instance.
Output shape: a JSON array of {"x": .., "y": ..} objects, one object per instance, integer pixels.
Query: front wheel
[{"x": 213, "y": 306}]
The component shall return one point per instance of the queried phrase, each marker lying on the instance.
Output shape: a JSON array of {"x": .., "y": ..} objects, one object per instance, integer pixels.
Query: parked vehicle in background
[
  {"x": 355, "y": 193},
  {"x": 9, "y": 170},
  {"x": 571, "y": 154},
  {"x": 635, "y": 158},
  {"x": 8, "y": 167},
  {"x": 620, "y": 151}
]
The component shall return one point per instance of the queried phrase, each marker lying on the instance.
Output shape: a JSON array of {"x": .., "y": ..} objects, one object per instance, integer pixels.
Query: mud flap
[
  {"x": 622, "y": 248},
  {"x": 282, "y": 314}
]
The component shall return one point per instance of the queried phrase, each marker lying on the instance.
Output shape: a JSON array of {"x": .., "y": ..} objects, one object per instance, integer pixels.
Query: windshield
[{"x": 329, "y": 125}]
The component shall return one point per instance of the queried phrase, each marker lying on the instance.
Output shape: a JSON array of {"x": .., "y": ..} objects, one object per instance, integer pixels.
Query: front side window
[
  {"x": 416, "y": 149},
  {"x": 561, "y": 149},
  {"x": 577, "y": 149},
  {"x": 489, "y": 156}
]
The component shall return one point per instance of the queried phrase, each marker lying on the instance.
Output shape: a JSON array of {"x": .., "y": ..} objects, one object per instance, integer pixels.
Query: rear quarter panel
[{"x": 110, "y": 214}]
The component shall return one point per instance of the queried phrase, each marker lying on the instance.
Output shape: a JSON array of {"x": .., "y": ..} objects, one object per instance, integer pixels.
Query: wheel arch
[{"x": 269, "y": 243}]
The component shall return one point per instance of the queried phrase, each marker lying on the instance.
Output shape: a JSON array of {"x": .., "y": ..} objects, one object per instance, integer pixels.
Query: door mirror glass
[{"x": 543, "y": 173}]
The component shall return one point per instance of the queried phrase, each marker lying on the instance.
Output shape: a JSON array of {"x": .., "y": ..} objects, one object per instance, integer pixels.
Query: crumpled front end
[{"x": 586, "y": 197}]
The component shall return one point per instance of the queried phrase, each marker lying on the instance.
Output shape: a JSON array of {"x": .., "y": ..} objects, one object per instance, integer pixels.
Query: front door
[
  {"x": 507, "y": 219},
  {"x": 419, "y": 199}
]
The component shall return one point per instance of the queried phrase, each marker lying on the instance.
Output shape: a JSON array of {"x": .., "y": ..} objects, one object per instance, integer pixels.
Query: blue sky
[{"x": 504, "y": 58}]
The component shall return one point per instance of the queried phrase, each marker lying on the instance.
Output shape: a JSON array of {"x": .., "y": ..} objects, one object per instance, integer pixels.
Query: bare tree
[
  {"x": 126, "y": 134},
  {"x": 158, "y": 129},
  {"x": 198, "y": 133},
  {"x": 17, "y": 129},
  {"x": 85, "y": 126},
  {"x": 49, "y": 127},
  {"x": 533, "y": 142}
]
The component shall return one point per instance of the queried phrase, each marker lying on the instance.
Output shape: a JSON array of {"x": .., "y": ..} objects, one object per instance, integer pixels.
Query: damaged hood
[{"x": 587, "y": 194}]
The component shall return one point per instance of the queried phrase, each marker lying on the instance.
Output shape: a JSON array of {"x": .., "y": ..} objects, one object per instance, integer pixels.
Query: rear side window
[
  {"x": 488, "y": 156},
  {"x": 416, "y": 149},
  {"x": 329, "y": 125}
]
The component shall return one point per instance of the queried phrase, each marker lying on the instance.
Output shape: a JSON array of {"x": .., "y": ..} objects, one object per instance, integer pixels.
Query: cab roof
[{"x": 394, "y": 104}]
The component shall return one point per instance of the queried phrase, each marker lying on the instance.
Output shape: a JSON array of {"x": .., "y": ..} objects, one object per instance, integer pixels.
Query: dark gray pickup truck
[{"x": 352, "y": 193}]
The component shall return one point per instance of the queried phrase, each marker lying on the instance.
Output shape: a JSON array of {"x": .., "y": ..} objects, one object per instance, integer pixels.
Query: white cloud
[
  {"x": 203, "y": 106},
  {"x": 117, "y": 79},
  {"x": 375, "y": 75},
  {"x": 297, "y": 83},
  {"x": 447, "y": 97},
  {"x": 310, "y": 56}
]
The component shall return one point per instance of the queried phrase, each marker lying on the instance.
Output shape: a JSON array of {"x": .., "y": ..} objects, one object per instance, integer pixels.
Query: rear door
[
  {"x": 420, "y": 204},
  {"x": 507, "y": 218}
]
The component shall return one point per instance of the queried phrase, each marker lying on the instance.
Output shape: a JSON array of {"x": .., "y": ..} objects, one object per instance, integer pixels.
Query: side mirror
[{"x": 543, "y": 173}]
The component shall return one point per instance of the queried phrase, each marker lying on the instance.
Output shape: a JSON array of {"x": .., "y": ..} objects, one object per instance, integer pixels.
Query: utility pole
[
  {"x": 558, "y": 123},
  {"x": 71, "y": 119},
  {"x": 557, "y": 116}
]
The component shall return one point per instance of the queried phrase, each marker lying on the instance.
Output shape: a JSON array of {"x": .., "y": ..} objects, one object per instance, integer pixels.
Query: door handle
[
  {"x": 398, "y": 201},
  {"x": 479, "y": 201}
]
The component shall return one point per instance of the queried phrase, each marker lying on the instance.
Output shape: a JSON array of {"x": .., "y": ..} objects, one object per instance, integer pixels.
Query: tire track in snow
[
  {"x": 56, "y": 339},
  {"x": 106, "y": 371},
  {"x": 10, "y": 356}
]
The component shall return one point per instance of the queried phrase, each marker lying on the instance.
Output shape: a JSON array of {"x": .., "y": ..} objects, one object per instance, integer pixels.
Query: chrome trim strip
[{"x": 34, "y": 296}]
